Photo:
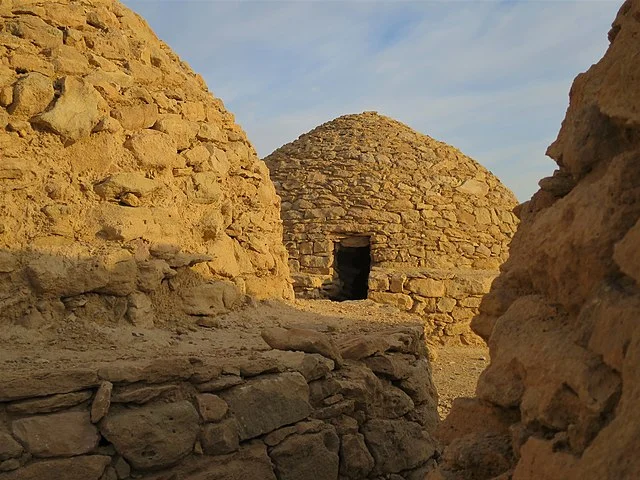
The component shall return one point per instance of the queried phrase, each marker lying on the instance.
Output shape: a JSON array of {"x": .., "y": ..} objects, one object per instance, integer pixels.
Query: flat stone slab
[{"x": 57, "y": 435}]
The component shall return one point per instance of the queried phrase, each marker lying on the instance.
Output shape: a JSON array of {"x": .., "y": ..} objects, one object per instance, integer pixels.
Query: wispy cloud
[{"x": 490, "y": 77}]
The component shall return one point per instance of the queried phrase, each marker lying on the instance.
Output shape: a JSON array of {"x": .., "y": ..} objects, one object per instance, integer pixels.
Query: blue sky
[{"x": 489, "y": 77}]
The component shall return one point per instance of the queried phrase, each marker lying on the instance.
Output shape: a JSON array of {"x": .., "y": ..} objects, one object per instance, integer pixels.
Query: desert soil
[{"x": 74, "y": 343}]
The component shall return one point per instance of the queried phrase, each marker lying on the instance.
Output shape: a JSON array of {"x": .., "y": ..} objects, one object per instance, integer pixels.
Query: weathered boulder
[
  {"x": 154, "y": 436},
  {"x": 48, "y": 404},
  {"x": 101, "y": 402},
  {"x": 311, "y": 365},
  {"x": 31, "y": 95},
  {"x": 268, "y": 402},
  {"x": 211, "y": 298}
]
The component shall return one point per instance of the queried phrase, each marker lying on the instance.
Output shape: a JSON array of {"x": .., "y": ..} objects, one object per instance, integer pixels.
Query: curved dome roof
[{"x": 371, "y": 174}]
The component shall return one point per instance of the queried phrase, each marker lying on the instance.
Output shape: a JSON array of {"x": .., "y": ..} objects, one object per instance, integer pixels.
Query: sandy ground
[{"x": 80, "y": 342}]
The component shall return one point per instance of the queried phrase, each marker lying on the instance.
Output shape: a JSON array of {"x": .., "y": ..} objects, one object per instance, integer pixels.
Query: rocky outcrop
[
  {"x": 129, "y": 192},
  {"x": 256, "y": 416},
  {"x": 427, "y": 213},
  {"x": 560, "y": 397}
]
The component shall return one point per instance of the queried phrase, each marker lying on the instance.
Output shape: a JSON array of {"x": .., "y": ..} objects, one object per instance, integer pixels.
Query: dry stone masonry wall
[
  {"x": 560, "y": 397},
  {"x": 436, "y": 224},
  {"x": 128, "y": 190},
  {"x": 308, "y": 409}
]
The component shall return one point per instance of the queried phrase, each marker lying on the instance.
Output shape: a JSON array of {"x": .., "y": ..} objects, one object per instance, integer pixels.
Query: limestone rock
[
  {"x": 397, "y": 445},
  {"x": 136, "y": 117},
  {"x": 31, "y": 95},
  {"x": 211, "y": 407},
  {"x": 251, "y": 461},
  {"x": 312, "y": 366},
  {"x": 117, "y": 185},
  {"x": 220, "y": 438},
  {"x": 153, "y": 436},
  {"x": 140, "y": 394},
  {"x": 99, "y": 121},
  {"x": 101, "y": 402},
  {"x": 211, "y": 299},
  {"x": 268, "y": 402},
  {"x": 76, "y": 112},
  {"x": 357, "y": 462},
  {"x": 300, "y": 457},
  {"x": 13, "y": 387},
  {"x": 57, "y": 435},
  {"x": 303, "y": 340}
]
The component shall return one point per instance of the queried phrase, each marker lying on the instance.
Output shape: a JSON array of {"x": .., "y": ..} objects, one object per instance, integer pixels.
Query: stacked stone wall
[{"x": 365, "y": 410}]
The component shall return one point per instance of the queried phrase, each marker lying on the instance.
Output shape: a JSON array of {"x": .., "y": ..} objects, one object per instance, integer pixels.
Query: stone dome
[
  {"x": 419, "y": 208},
  {"x": 122, "y": 176}
]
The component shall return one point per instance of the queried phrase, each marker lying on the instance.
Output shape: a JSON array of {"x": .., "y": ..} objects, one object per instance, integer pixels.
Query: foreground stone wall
[
  {"x": 560, "y": 397},
  {"x": 126, "y": 186},
  {"x": 306, "y": 410}
]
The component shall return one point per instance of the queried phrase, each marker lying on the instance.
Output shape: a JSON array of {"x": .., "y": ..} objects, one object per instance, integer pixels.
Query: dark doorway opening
[{"x": 352, "y": 266}]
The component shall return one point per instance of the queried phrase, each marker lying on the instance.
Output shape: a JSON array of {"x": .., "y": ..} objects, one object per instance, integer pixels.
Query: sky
[{"x": 488, "y": 77}]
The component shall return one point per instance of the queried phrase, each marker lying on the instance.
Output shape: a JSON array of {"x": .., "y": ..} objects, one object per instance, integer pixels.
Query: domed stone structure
[
  {"x": 373, "y": 209},
  {"x": 128, "y": 190}
]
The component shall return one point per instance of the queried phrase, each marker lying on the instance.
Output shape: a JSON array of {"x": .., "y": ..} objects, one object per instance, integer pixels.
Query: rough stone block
[
  {"x": 427, "y": 287},
  {"x": 211, "y": 407},
  {"x": 263, "y": 404},
  {"x": 397, "y": 445},
  {"x": 153, "y": 436},
  {"x": 220, "y": 438}
]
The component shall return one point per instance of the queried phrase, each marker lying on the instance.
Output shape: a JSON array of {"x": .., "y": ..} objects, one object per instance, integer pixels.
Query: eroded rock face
[
  {"x": 153, "y": 437},
  {"x": 436, "y": 222},
  {"x": 133, "y": 174},
  {"x": 561, "y": 320}
]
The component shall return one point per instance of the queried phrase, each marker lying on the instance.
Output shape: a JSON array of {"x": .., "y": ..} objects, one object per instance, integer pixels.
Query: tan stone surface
[
  {"x": 561, "y": 320},
  {"x": 113, "y": 151}
]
